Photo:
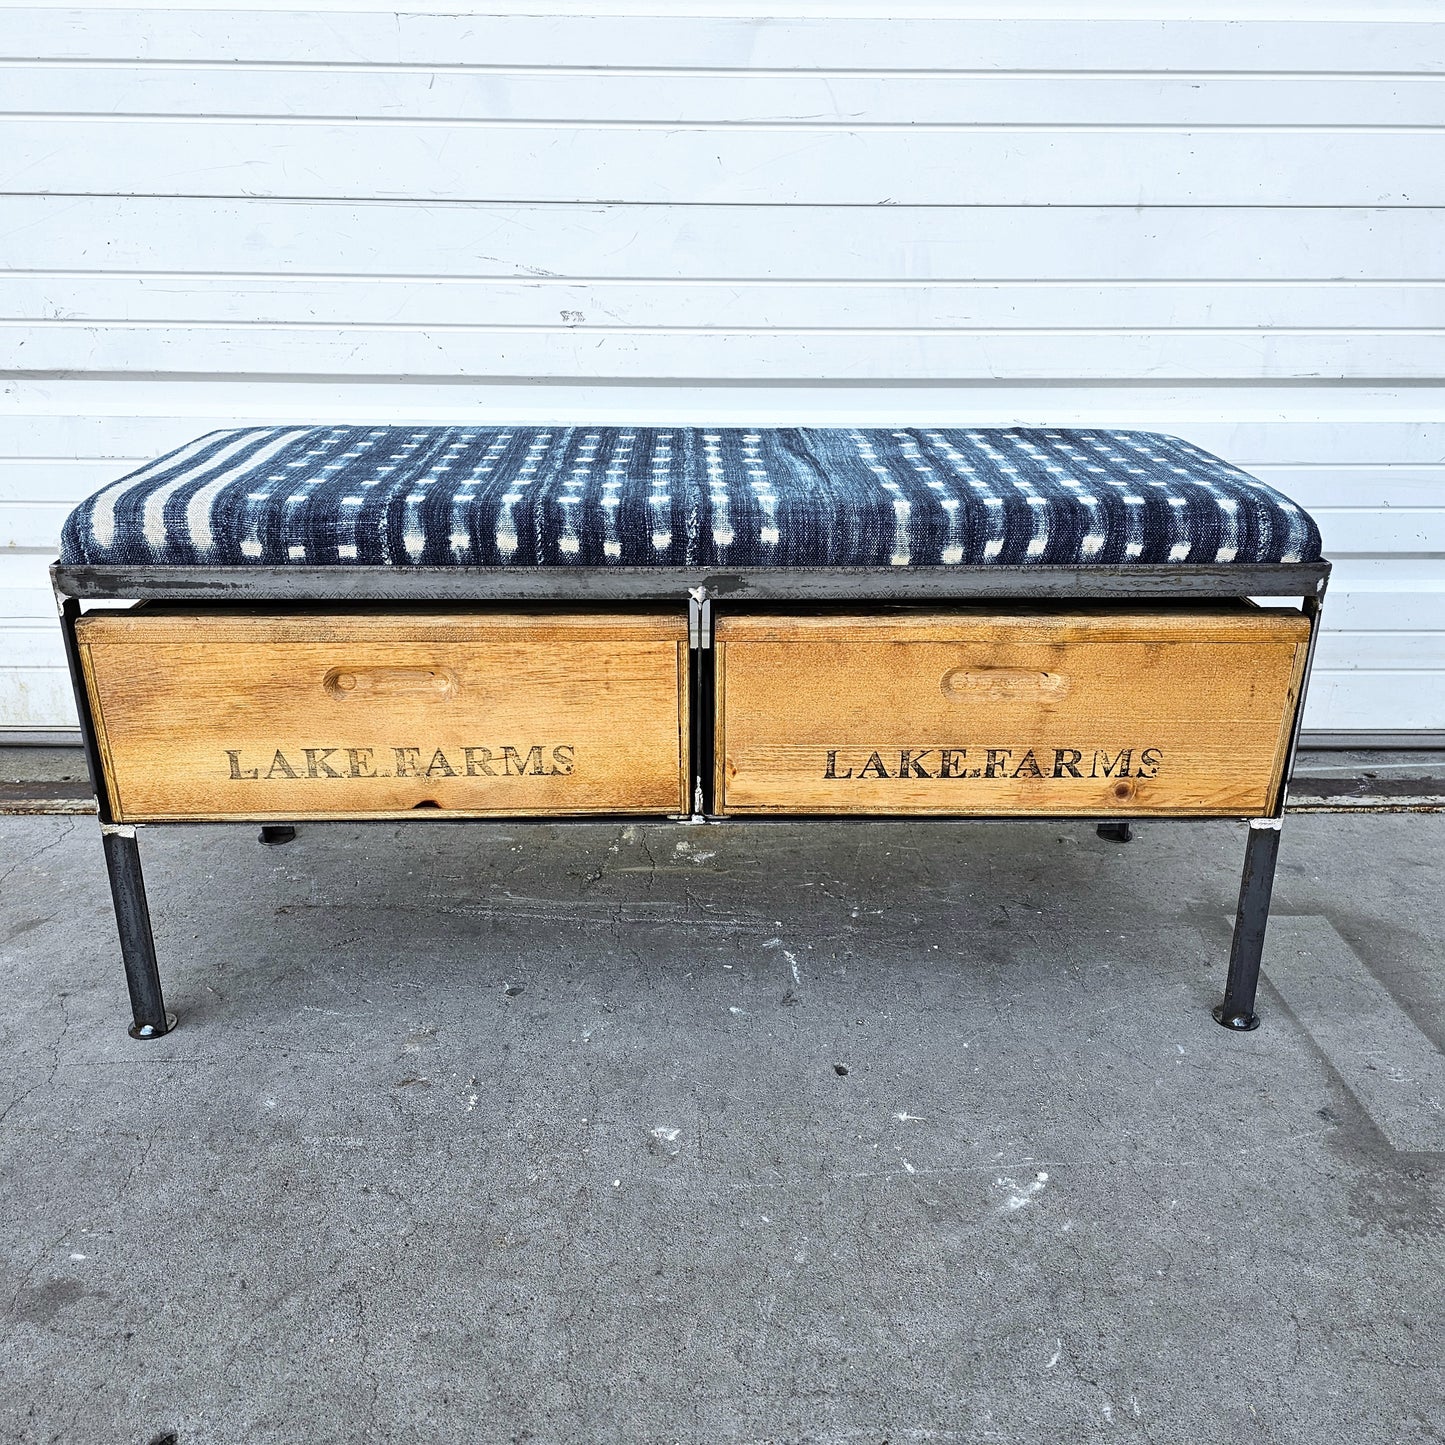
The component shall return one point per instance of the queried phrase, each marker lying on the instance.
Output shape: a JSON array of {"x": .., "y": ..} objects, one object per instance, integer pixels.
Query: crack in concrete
[
  {"x": 50, "y": 847},
  {"x": 54, "y": 1046}
]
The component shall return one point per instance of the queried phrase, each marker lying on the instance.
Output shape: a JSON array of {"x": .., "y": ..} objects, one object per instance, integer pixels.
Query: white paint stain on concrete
[
  {"x": 1022, "y": 1195},
  {"x": 788, "y": 954}
]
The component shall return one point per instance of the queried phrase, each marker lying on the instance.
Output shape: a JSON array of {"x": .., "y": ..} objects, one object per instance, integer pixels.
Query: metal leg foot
[
  {"x": 1260, "y": 855},
  {"x": 1115, "y": 832},
  {"x": 151, "y": 1031},
  {"x": 137, "y": 946},
  {"x": 1240, "y": 1023},
  {"x": 275, "y": 834}
]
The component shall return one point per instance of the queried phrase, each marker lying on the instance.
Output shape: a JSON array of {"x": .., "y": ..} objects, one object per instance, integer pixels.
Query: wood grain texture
[
  {"x": 1044, "y": 711},
  {"x": 264, "y": 715}
]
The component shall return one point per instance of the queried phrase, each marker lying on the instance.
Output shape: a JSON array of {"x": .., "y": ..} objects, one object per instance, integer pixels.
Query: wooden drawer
[
  {"x": 969, "y": 711},
  {"x": 285, "y": 715}
]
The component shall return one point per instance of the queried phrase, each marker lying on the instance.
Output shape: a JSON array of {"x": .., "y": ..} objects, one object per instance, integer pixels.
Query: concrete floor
[{"x": 791, "y": 1133}]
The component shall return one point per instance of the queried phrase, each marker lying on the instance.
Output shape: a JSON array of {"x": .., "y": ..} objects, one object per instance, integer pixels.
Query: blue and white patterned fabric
[{"x": 473, "y": 496}]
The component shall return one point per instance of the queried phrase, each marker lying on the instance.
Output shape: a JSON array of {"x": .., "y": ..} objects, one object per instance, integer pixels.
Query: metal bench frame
[{"x": 700, "y": 589}]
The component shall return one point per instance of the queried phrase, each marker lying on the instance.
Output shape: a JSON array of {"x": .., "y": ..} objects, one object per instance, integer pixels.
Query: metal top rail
[{"x": 636, "y": 584}]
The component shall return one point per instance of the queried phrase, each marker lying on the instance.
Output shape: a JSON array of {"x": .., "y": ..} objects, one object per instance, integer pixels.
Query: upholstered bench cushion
[{"x": 685, "y": 497}]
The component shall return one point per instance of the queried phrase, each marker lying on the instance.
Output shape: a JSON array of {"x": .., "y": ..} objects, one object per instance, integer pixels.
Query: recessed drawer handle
[
  {"x": 390, "y": 682},
  {"x": 962, "y": 683}
]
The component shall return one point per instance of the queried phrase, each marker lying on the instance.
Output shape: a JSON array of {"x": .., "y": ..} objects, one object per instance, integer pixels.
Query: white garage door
[{"x": 1229, "y": 229}]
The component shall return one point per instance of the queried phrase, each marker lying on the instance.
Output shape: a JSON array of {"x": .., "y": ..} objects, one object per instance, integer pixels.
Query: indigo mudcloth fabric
[{"x": 489, "y": 496}]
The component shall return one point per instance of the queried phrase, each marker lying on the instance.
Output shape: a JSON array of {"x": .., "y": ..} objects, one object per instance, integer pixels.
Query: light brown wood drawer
[
  {"x": 290, "y": 715},
  {"x": 969, "y": 711}
]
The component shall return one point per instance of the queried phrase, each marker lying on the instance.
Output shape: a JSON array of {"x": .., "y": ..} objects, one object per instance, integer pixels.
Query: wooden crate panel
[
  {"x": 250, "y": 714},
  {"x": 1092, "y": 713}
]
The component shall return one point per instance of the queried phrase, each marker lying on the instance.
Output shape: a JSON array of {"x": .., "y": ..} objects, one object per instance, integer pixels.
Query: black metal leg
[
  {"x": 137, "y": 947},
  {"x": 1260, "y": 855},
  {"x": 1115, "y": 832},
  {"x": 274, "y": 834}
]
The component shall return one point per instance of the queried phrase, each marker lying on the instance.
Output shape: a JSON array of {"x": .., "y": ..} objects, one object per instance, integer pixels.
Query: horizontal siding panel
[
  {"x": 1387, "y": 650},
  {"x": 819, "y": 243},
  {"x": 31, "y": 646},
  {"x": 1384, "y": 701},
  {"x": 36, "y": 698},
  {"x": 1318, "y": 487},
  {"x": 25, "y": 588},
  {"x": 1391, "y": 574},
  {"x": 713, "y": 355},
  {"x": 32, "y": 480},
  {"x": 91, "y": 417},
  {"x": 1383, "y": 594},
  {"x": 730, "y": 305},
  {"x": 1401, "y": 610},
  {"x": 1367, "y": 531},
  {"x": 730, "y": 98},
  {"x": 724, "y": 165},
  {"x": 34, "y": 525},
  {"x": 836, "y": 41},
  {"x": 1293, "y": 435}
]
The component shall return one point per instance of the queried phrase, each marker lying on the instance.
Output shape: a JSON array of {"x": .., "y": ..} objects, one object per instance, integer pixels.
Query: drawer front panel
[
  {"x": 1092, "y": 714},
  {"x": 292, "y": 716}
]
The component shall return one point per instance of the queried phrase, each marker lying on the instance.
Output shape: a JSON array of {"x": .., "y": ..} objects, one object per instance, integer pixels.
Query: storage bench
[{"x": 702, "y": 625}]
